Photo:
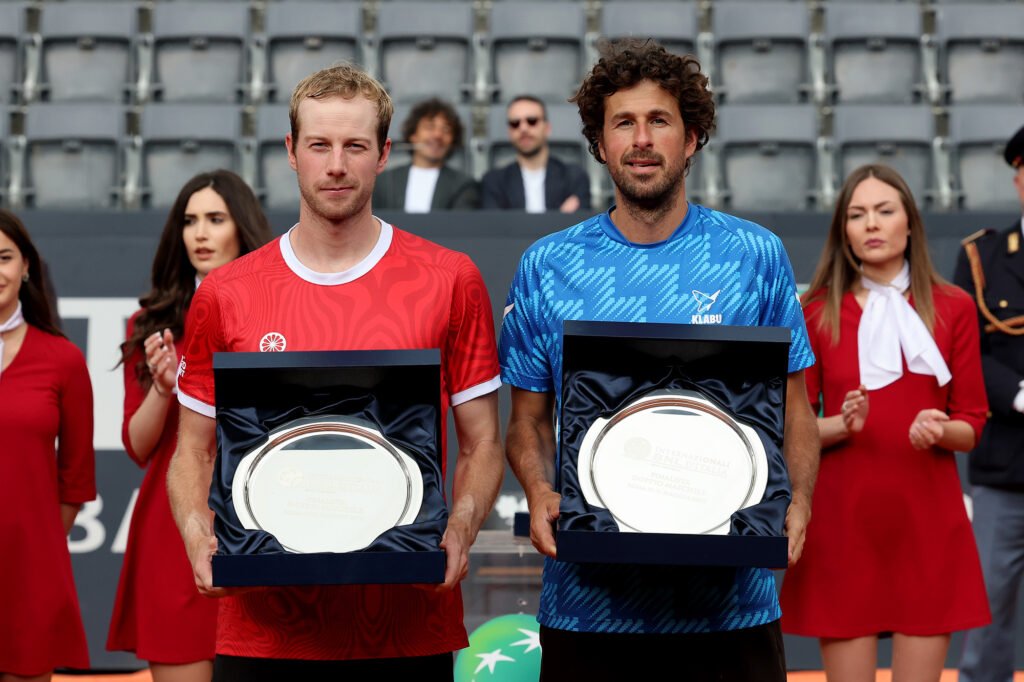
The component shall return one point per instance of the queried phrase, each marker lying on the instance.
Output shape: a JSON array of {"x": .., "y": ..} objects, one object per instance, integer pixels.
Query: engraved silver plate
[
  {"x": 326, "y": 486},
  {"x": 672, "y": 463}
]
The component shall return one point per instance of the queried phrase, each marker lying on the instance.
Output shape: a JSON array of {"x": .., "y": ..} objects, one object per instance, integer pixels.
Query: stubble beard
[
  {"x": 335, "y": 212},
  {"x": 648, "y": 199}
]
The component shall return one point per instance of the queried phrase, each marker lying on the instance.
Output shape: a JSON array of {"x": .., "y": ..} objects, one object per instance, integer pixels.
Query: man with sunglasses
[{"x": 537, "y": 181}]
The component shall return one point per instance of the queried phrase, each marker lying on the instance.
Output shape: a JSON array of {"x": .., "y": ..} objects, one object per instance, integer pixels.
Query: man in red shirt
[{"x": 342, "y": 279}]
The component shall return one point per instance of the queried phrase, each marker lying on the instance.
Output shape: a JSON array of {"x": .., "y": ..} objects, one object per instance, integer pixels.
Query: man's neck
[
  {"x": 649, "y": 224},
  {"x": 325, "y": 246},
  {"x": 536, "y": 162}
]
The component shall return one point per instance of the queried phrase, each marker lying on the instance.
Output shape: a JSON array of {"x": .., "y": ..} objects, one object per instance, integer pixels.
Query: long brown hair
[
  {"x": 35, "y": 307},
  {"x": 173, "y": 276},
  {"x": 839, "y": 269}
]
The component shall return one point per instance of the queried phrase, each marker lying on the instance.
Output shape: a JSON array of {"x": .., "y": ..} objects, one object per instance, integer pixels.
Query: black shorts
[
  {"x": 244, "y": 669},
  {"x": 748, "y": 655}
]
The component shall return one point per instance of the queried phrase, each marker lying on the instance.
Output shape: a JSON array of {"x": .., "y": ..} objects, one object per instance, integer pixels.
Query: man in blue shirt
[{"x": 653, "y": 257}]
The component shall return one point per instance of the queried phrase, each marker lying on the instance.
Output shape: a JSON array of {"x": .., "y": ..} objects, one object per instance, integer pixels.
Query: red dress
[
  {"x": 158, "y": 613},
  {"x": 889, "y": 547},
  {"x": 45, "y": 394}
]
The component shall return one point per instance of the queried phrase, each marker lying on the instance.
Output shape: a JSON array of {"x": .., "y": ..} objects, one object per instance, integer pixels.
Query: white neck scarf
[
  {"x": 12, "y": 323},
  {"x": 889, "y": 324}
]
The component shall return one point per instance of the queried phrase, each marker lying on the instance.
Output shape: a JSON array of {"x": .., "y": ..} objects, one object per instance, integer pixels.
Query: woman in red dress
[
  {"x": 889, "y": 550},
  {"x": 45, "y": 396},
  {"x": 158, "y": 614}
]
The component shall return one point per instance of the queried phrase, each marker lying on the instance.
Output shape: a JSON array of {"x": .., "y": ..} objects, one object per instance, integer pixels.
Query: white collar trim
[{"x": 335, "y": 278}]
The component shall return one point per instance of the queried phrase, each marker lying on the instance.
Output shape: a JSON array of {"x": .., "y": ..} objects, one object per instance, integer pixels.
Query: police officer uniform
[{"x": 991, "y": 268}]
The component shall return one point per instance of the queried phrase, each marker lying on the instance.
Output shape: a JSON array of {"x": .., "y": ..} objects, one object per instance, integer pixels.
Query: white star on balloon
[
  {"x": 489, "y": 660},
  {"x": 531, "y": 642}
]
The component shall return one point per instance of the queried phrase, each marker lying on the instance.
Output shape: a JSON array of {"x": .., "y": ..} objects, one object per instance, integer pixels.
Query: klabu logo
[{"x": 704, "y": 303}]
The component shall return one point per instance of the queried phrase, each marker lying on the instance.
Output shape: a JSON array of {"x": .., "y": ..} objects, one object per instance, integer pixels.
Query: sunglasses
[{"x": 530, "y": 121}]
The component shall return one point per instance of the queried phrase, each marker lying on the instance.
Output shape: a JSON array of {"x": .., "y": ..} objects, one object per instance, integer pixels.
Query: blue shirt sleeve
[
  {"x": 525, "y": 345},
  {"x": 783, "y": 308}
]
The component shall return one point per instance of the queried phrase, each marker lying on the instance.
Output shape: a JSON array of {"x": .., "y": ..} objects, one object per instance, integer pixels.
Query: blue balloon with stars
[{"x": 504, "y": 649}]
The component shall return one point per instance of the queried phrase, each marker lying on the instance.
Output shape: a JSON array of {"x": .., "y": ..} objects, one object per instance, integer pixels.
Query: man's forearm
[
  {"x": 481, "y": 463},
  {"x": 189, "y": 475},
  {"x": 802, "y": 451},
  {"x": 478, "y": 474},
  {"x": 531, "y": 454}
]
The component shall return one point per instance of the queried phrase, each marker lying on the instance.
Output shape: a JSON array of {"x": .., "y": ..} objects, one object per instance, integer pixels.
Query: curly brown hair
[
  {"x": 628, "y": 61},
  {"x": 430, "y": 108}
]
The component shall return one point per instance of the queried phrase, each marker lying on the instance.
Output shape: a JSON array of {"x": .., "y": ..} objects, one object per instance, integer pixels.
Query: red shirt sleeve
[
  {"x": 967, "y": 398},
  {"x": 76, "y": 459},
  {"x": 470, "y": 356},
  {"x": 203, "y": 338}
]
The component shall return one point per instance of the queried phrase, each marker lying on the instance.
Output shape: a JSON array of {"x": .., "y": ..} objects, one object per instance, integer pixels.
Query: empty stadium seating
[
  {"x": 84, "y": 51},
  {"x": 301, "y": 38},
  {"x": 879, "y": 79},
  {"x": 71, "y": 156}
]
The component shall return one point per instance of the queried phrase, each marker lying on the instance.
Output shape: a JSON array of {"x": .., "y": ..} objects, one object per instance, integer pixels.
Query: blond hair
[{"x": 343, "y": 80}]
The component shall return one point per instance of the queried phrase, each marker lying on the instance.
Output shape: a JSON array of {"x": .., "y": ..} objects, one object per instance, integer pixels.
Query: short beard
[
  {"x": 649, "y": 202},
  {"x": 341, "y": 213}
]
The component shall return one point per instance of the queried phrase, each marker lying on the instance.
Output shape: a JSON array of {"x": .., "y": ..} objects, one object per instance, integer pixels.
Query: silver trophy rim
[
  {"x": 291, "y": 433},
  {"x": 689, "y": 400}
]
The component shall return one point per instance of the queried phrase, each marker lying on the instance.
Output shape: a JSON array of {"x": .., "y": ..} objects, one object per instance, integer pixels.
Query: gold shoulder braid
[{"x": 1013, "y": 326}]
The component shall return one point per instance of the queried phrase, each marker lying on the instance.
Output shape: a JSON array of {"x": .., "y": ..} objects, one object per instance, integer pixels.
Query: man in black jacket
[
  {"x": 991, "y": 267},
  {"x": 536, "y": 182},
  {"x": 434, "y": 130}
]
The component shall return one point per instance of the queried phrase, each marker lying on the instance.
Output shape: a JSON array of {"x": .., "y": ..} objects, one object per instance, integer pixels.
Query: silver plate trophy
[
  {"x": 672, "y": 462},
  {"x": 331, "y": 485}
]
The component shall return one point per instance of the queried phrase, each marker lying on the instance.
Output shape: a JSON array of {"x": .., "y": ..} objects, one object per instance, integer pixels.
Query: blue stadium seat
[
  {"x": 84, "y": 51},
  {"x": 900, "y": 135},
  {"x": 72, "y": 155},
  {"x": 181, "y": 140},
  {"x": 301, "y": 38},
  {"x": 767, "y": 156},
  {"x": 197, "y": 52},
  {"x": 537, "y": 48},
  {"x": 875, "y": 51},
  {"x": 978, "y": 135},
  {"x": 761, "y": 51},
  {"x": 426, "y": 50},
  {"x": 981, "y": 51}
]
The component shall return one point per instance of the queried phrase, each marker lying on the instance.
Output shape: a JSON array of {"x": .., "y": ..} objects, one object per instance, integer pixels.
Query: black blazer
[
  {"x": 503, "y": 187},
  {"x": 998, "y": 459},
  {"x": 454, "y": 190}
]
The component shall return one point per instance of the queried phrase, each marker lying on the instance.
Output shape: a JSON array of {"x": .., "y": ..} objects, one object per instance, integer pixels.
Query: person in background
[
  {"x": 991, "y": 269},
  {"x": 434, "y": 132},
  {"x": 536, "y": 181},
  {"x": 47, "y": 469},
  {"x": 158, "y": 613},
  {"x": 890, "y": 548}
]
